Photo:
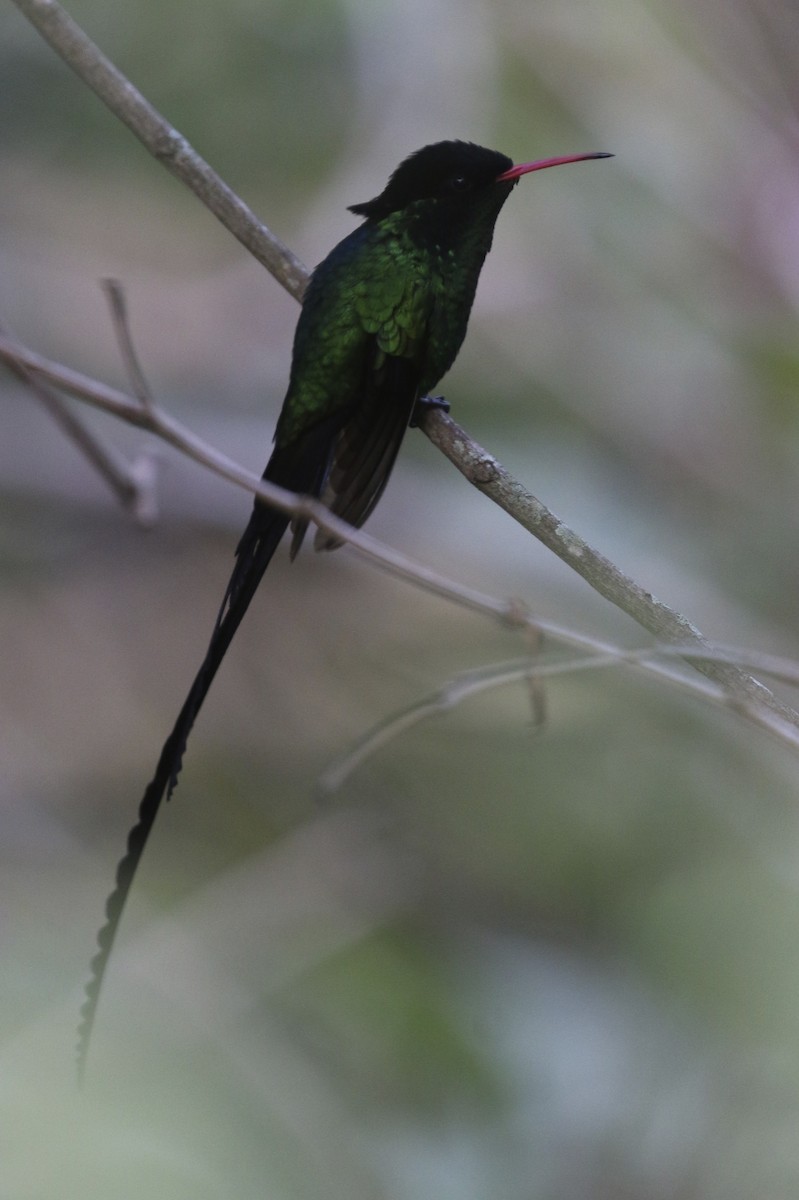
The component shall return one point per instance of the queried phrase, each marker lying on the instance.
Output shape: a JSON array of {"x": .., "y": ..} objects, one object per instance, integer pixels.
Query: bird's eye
[{"x": 459, "y": 183}]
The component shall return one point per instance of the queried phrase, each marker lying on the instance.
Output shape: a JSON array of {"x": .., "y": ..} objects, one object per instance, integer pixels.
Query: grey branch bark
[
  {"x": 121, "y": 478},
  {"x": 164, "y": 142},
  {"x": 490, "y": 477},
  {"x": 750, "y": 697},
  {"x": 479, "y": 467}
]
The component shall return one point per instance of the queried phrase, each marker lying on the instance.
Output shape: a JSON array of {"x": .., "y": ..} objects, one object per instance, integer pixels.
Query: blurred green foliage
[{"x": 503, "y": 961}]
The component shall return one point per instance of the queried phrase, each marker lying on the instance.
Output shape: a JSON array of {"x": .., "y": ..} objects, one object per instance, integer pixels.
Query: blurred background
[{"x": 501, "y": 961}]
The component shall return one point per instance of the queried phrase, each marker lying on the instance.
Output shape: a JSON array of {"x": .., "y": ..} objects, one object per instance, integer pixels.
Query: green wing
[{"x": 365, "y": 321}]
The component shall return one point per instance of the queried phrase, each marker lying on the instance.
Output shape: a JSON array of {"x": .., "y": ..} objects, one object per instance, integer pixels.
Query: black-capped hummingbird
[{"x": 382, "y": 320}]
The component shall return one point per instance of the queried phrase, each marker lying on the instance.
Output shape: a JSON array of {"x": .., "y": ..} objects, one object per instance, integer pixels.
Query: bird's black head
[{"x": 448, "y": 171}]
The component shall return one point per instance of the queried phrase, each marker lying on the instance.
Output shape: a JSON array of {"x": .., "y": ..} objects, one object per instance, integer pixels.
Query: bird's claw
[{"x": 424, "y": 405}]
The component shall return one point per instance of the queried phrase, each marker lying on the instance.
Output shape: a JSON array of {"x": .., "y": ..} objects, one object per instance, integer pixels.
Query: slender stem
[
  {"x": 110, "y": 465},
  {"x": 162, "y": 140},
  {"x": 117, "y": 302},
  {"x": 745, "y": 693},
  {"x": 483, "y": 471},
  {"x": 490, "y": 477},
  {"x": 127, "y": 409}
]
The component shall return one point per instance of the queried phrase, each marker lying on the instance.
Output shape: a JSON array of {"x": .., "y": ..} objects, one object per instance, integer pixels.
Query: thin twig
[
  {"x": 535, "y": 689},
  {"x": 465, "y": 685},
  {"x": 170, "y": 148},
  {"x": 471, "y": 683},
  {"x": 741, "y": 691},
  {"x": 143, "y": 471},
  {"x": 490, "y": 477},
  {"x": 115, "y": 294},
  {"x": 163, "y": 141},
  {"x": 121, "y": 478},
  {"x": 124, "y": 407}
]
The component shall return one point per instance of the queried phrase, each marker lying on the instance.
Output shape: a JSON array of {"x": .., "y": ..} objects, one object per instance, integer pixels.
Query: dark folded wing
[{"x": 364, "y": 451}]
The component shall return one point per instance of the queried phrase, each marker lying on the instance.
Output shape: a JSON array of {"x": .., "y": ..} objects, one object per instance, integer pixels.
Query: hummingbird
[{"x": 382, "y": 320}]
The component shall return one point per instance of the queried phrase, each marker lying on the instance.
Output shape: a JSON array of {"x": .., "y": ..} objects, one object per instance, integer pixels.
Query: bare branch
[
  {"x": 490, "y": 477},
  {"x": 741, "y": 691},
  {"x": 177, "y": 155},
  {"x": 164, "y": 142},
  {"x": 72, "y": 44},
  {"x": 465, "y": 685},
  {"x": 123, "y": 480},
  {"x": 600, "y": 655},
  {"x": 115, "y": 294},
  {"x": 126, "y": 408},
  {"x": 143, "y": 471}
]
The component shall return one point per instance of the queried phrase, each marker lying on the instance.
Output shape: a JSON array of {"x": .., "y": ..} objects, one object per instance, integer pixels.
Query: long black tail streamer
[{"x": 255, "y": 550}]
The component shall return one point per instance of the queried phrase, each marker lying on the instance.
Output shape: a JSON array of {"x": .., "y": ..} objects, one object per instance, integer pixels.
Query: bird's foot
[{"x": 424, "y": 405}]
